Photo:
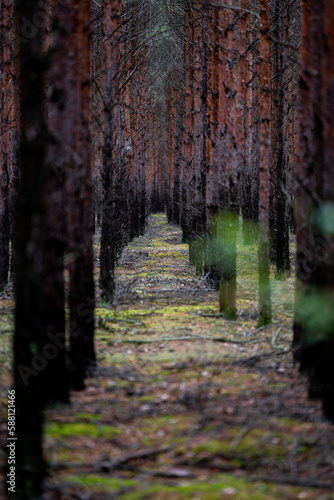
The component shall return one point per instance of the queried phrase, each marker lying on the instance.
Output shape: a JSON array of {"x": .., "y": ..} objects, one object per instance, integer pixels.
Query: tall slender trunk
[
  {"x": 212, "y": 193},
  {"x": 279, "y": 99},
  {"x": 177, "y": 159},
  {"x": 111, "y": 56},
  {"x": 15, "y": 131},
  {"x": 79, "y": 187},
  {"x": 6, "y": 101},
  {"x": 60, "y": 144},
  {"x": 188, "y": 185},
  {"x": 201, "y": 28},
  {"x": 229, "y": 217},
  {"x": 247, "y": 171},
  {"x": 264, "y": 166}
]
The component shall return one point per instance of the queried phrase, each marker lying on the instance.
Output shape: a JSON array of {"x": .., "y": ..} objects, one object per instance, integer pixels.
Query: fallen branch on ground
[
  {"x": 201, "y": 281},
  {"x": 187, "y": 338},
  {"x": 273, "y": 341},
  {"x": 108, "y": 466},
  {"x": 260, "y": 357}
]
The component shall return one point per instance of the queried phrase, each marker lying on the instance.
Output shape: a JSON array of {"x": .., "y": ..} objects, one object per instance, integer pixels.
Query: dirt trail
[
  {"x": 184, "y": 404},
  {"x": 156, "y": 268}
]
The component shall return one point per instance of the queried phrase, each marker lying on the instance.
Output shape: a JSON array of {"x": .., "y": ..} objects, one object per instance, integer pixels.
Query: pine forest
[{"x": 166, "y": 249}]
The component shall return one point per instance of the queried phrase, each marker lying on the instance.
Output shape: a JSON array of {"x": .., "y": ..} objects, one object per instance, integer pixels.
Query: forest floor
[{"x": 185, "y": 404}]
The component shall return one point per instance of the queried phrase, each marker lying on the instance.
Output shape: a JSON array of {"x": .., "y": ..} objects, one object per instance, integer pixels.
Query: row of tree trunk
[
  {"x": 54, "y": 220},
  {"x": 232, "y": 150},
  {"x": 241, "y": 134}
]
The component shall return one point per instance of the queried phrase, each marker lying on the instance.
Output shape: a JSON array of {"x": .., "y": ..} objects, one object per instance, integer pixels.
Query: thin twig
[
  {"x": 187, "y": 338},
  {"x": 237, "y": 440},
  {"x": 273, "y": 340},
  {"x": 202, "y": 279},
  {"x": 108, "y": 466},
  {"x": 259, "y": 357}
]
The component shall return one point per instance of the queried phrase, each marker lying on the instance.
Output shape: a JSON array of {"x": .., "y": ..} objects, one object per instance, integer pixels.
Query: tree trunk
[
  {"x": 264, "y": 167},
  {"x": 110, "y": 49},
  {"x": 212, "y": 193},
  {"x": 15, "y": 131},
  {"x": 188, "y": 185},
  {"x": 247, "y": 183},
  {"x": 229, "y": 217},
  {"x": 314, "y": 301},
  {"x": 6, "y": 101},
  {"x": 29, "y": 358},
  {"x": 198, "y": 238},
  {"x": 279, "y": 99},
  {"x": 79, "y": 187},
  {"x": 60, "y": 144}
]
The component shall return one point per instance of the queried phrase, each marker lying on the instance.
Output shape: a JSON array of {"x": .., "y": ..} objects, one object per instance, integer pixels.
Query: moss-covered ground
[{"x": 185, "y": 404}]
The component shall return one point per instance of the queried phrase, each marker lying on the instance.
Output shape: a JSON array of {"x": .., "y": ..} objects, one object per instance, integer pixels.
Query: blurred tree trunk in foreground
[
  {"x": 29, "y": 286},
  {"x": 314, "y": 318}
]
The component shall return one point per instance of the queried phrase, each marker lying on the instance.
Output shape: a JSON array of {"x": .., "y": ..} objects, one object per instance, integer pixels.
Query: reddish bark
[
  {"x": 256, "y": 97},
  {"x": 264, "y": 167},
  {"x": 212, "y": 150},
  {"x": 247, "y": 171},
  {"x": 228, "y": 219},
  {"x": 200, "y": 60}
]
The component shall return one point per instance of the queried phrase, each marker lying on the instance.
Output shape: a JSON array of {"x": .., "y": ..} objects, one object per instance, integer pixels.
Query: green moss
[
  {"x": 218, "y": 487},
  {"x": 251, "y": 448},
  {"x": 114, "y": 314},
  {"x": 288, "y": 422},
  {"x": 101, "y": 483},
  {"x": 64, "y": 430},
  {"x": 145, "y": 399},
  {"x": 277, "y": 385},
  {"x": 213, "y": 447},
  {"x": 213, "y": 490},
  {"x": 153, "y": 424},
  {"x": 66, "y": 455},
  {"x": 87, "y": 417}
]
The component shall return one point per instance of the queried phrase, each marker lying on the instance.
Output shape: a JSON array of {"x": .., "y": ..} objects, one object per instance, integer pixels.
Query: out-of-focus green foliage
[{"x": 315, "y": 310}]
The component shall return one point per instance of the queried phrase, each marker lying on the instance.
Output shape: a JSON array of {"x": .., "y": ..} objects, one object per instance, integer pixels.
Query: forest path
[
  {"x": 185, "y": 404},
  {"x": 155, "y": 267}
]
